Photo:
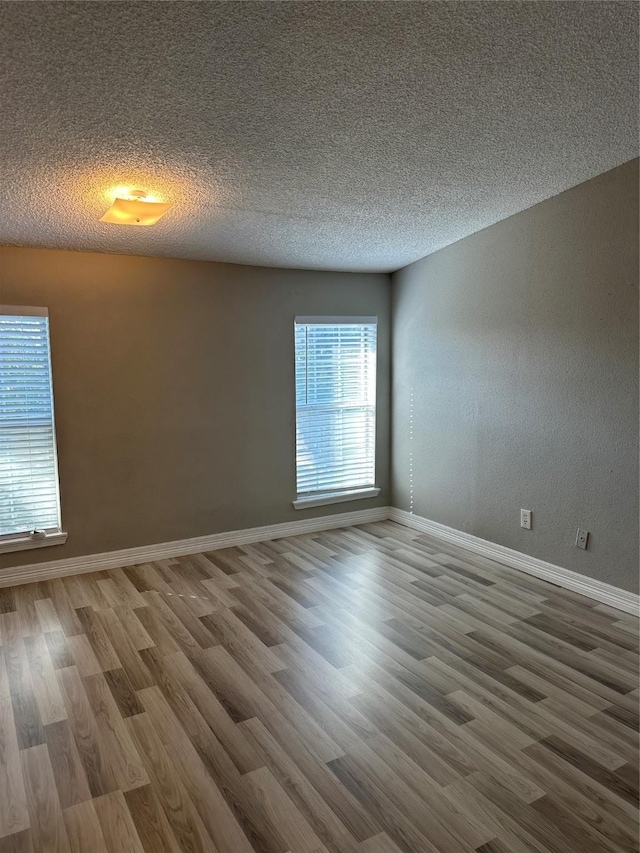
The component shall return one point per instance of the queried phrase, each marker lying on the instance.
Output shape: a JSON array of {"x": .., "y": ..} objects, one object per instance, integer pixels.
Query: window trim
[
  {"x": 335, "y": 321},
  {"x": 325, "y": 498},
  {"x": 23, "y": 541},
  {"x": 306, "y": 500}
]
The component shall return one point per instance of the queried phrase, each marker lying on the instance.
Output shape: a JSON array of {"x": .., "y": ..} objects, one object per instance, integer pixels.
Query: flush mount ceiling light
[{"x": 136, "y": 208}]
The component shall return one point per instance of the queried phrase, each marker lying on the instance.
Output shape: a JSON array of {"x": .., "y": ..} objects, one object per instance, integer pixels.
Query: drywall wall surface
[
  {"x": 515, "y": 380},
  {"x": 174, "y": 391}
]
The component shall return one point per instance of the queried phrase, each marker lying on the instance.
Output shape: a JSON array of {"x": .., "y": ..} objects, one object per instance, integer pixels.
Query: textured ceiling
[{"x": 356, "y": 136}]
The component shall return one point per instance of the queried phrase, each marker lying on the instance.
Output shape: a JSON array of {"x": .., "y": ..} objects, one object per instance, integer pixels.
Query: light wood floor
[{"x": 362, "y": 690}]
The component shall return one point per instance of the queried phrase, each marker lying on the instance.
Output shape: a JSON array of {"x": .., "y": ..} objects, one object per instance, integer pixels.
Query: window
[
  {"x": 335, "y": 409},
  {"x": 29, "y": 501}
]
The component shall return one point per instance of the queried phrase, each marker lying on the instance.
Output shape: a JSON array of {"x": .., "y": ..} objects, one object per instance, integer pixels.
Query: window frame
[
  {"x": 306, "y": 500},
  {"x": 21, "y": 541}
]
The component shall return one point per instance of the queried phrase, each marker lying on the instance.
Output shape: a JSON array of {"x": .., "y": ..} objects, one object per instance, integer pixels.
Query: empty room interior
[{"x": 319, "y": 427}]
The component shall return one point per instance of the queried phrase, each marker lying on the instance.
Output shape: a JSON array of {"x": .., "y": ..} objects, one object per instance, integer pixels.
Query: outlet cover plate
[
  {"x": 582, "y": 537},
  {"x": 526, "y": 518}
]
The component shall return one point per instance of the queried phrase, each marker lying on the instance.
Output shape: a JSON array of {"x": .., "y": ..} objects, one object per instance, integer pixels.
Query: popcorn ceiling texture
[{"x": 354, "y": 136}]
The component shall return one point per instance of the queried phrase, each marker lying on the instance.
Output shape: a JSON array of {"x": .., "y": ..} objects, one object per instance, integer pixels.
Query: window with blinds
[
  {"x": 29, "y": 499},
  {"x": 335, "y": 403}
]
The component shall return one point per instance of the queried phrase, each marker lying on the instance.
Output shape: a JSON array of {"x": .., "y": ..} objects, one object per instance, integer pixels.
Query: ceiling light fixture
[{"x": 137, "y": 208}]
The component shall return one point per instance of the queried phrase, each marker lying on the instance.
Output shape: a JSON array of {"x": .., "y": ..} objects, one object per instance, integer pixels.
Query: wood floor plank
[
  {"x": 553, "y": 835},
  {"x": 150, "y": 821},
  {"x": 373, "y": 797},
  {"x": 177, "y": 670},
  {"x": 27, "y": 719},
  {"x": 20, "y": 842},
  {"x": 95, "y": 758},
  {"x": 333, "y": 829},
  {"x": 281, "y": 811},
  {"x": 380, "y": 844},
  {"x": 363, "y": 690},
  {"x": 127, "y": 765},
  {"x": 126, "y": 653},
  {"x": 132, "y": 626},
  {"x": 83, "y": 655},
  {"x": 58, "y": 649},
  {"x": 45, "y": 815},
  {"x": 447, "y": 828},
  {"x": 24, "y": 597},
  {"x": 83, "y": 829},
  {"x": 211, "y": 790},
  {"x": 118, "y": 829},
  {"x": 183, "y": 818},
  {"x": 64, "y": 609},
  {"x": 15, "y": 655},
  {"x": 68, "y": 772},
  {"x": 45, "y": 684},
  {"x": 98, "y": 638},
  {"x": 123, "y": 692},
  {"x": 48, "y": 615},
  {"x": 14, "y": 816},
  {"x": 507, "y": 832}
]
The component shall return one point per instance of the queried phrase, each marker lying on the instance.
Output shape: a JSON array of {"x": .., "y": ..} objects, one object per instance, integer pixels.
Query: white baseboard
[
  {"x": 629, "y": 602},
  {"x": 165, "y": 550},
  {"x": 603, "y": 592}
]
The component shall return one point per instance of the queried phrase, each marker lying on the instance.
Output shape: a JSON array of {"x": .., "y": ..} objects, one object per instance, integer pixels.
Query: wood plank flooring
[{"x": 364, "y": 690}]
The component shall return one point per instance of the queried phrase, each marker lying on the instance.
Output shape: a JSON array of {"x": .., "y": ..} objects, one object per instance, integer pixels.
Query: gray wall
[
  {"x": 174, "y": 391},
  {"x": 519, "y": 347}
]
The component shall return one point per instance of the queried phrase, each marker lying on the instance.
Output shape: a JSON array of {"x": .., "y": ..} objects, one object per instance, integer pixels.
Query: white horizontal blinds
[
  {"x": 335, "y": 403},
  {"x": 28, "y": 466}
]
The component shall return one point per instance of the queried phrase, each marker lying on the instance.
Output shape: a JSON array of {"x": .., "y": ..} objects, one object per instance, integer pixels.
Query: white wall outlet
[
  {"x": 581, "y": 538},
  {"x": 525, "y": 518}
]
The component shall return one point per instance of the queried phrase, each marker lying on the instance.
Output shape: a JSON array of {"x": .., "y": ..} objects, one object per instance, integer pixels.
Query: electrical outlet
[
  {"x": 525, "y": 518},
  {"x": 581, "y": 538}
]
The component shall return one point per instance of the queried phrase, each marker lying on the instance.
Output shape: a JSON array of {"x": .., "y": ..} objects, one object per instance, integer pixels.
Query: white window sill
[
  {"x": 334, "y": 498},
  {"x": 22, "y": 543}
]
